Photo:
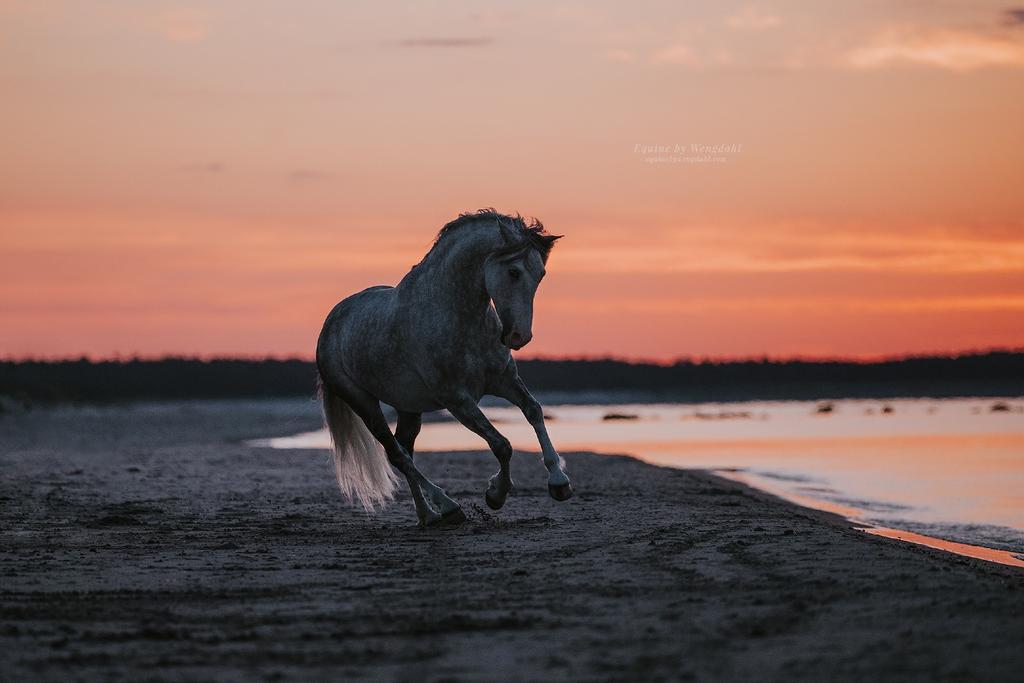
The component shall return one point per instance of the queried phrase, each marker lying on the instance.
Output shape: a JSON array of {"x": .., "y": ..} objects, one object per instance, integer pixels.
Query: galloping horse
[{"x": 441, "y": 339}]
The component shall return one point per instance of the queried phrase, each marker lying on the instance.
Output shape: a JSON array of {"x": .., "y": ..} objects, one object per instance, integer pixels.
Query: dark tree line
[
  {"x": 998, "y": 373},
  {"x": 986, "y": 374}
]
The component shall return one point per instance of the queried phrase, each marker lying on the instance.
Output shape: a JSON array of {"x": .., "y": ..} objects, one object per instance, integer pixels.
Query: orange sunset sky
[{"x": 210, "y": 178}]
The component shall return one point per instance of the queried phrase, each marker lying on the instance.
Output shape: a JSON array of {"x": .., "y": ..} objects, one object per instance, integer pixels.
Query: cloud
[
  {"x": 1014, "y": 17},
  {"x": 620, "y": 56},
  {"x": 676, "y": 54},
  {"x": 183, "y": 24},
  {"x": 306, "y": 175},
  {"x": 955, "y": 50},
  {"x": 205, "y": 167},
  {"x": 800, "y": 248},
  {"x": 446, "y": 42},
  {"x": 682, "y": 55},
  {"x": 752, "y": 19}
]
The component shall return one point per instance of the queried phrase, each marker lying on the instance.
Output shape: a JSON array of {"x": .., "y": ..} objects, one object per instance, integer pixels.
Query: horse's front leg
[
  {"x": 466, "y": 411},
  {"x": 514, "y": 391}
]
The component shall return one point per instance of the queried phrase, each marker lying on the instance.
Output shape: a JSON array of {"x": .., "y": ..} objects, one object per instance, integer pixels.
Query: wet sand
[{"x": 151, "y": 543}]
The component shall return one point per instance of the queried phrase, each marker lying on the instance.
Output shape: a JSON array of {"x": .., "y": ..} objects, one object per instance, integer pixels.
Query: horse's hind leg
[
  {"x": 407, "y": 430},
  {"x": 368, "y": 409}
]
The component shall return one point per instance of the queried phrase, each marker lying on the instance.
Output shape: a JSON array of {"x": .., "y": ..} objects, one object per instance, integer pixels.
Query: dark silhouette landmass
[{"x": 995, "y": 373}]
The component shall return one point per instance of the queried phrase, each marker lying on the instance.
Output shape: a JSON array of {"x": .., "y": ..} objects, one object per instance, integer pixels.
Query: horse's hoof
[
  {"x": 453, "y": 517},
  {"x": 560, "y": 492},
  {"x": 430, "y": 520},
  {"x": 494, "y": 502}
]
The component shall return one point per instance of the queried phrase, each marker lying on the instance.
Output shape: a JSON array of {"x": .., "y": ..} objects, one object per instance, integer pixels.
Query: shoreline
[
  {"x": 978, "y": 552},
  {"x": 153, "y": 543},
  {"x": 848, "y": 515},
  {"x": 768, "y": 450}
]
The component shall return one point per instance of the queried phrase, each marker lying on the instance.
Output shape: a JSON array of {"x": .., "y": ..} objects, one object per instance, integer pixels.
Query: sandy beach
[{"x": 149, "y": 542}]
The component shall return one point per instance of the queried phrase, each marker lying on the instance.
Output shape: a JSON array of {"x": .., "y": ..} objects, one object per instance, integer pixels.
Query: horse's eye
[{"x": 514, "y": 273}]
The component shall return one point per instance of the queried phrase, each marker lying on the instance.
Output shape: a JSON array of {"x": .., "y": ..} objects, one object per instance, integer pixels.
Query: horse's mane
[{"x": 532, "y": 229}]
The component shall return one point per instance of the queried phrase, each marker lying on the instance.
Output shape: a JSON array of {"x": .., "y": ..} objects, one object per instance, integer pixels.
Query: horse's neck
[{"x": 452, "y": 278}]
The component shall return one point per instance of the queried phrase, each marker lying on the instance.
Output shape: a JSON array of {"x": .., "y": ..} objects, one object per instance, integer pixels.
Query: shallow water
[{"x": 948, "y": 469}]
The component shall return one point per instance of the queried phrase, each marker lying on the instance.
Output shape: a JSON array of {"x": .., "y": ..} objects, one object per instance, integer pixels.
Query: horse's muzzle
[{"x": 515, "y": 341}]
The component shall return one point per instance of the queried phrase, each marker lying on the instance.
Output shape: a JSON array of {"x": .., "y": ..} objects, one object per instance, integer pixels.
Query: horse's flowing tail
[{"x": 363, "y": 471}]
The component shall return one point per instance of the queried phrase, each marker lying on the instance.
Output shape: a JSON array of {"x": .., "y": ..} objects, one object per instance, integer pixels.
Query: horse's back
[
  {"x": 405, "y": 354},
  {"x": 369, "y": 301},
  {"x": 353, "y": 323},
  {"x": 364, "y": 340}
]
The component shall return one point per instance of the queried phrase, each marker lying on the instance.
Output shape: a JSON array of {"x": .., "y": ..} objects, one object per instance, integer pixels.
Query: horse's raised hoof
[
  {"x": 494, "y": 502},
  {"x": 560, "y": 492}
]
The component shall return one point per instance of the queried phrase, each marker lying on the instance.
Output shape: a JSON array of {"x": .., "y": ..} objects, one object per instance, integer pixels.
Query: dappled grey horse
[{"x": 440, "y": 339}]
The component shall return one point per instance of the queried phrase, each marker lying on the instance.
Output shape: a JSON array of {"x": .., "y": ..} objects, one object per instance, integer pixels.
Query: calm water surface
[{"x": 916, "y": 469}]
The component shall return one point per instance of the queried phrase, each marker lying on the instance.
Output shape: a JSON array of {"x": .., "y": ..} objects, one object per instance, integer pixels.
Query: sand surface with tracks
[{"x": 149, "y": 542}]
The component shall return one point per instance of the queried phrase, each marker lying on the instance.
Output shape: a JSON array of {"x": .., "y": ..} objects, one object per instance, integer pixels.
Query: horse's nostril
[{"x": 516, "y": 339}]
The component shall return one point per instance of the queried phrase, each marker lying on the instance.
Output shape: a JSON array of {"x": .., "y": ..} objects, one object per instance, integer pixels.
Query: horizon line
[{"x": 697, "y": 360}]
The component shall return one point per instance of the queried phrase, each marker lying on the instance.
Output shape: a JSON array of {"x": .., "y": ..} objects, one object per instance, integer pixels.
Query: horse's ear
[{"x": 549, "y": 240}]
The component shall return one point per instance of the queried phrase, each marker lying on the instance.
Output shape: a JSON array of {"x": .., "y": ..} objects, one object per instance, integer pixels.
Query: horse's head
[{"x": 512, "y": 274}]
